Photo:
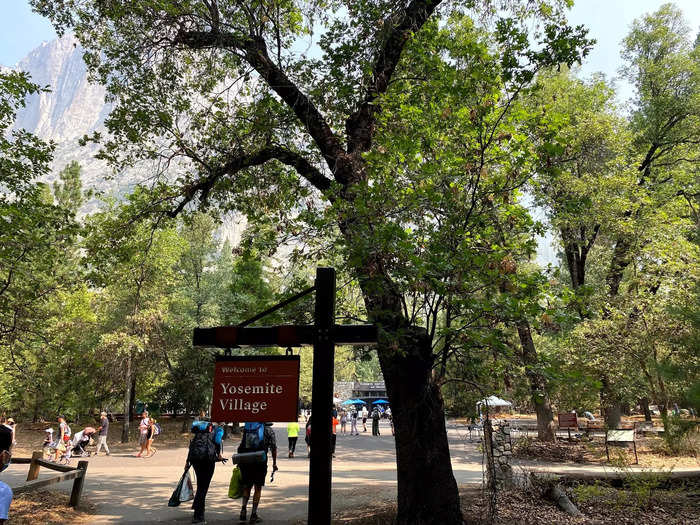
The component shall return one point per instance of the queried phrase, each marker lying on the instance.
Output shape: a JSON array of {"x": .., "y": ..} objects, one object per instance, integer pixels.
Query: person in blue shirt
[{"x": 205, "y": 450}]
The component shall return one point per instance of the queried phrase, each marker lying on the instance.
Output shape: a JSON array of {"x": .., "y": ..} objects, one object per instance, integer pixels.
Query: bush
[{"x": 680, "y": 436}]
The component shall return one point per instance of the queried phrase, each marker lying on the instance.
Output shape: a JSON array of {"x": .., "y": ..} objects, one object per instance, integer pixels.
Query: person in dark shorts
[
  {"x": 204, "y": 451},
  {"x": 253, "y": 474}
]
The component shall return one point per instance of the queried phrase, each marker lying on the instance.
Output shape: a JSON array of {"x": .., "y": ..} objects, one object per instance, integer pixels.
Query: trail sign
[
  {"x": 260, "y": 388},
  {"x": 324, "y": 334}
]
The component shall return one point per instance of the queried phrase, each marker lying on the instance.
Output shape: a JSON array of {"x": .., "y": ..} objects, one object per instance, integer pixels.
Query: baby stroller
[{"x": 81, "y": 441}]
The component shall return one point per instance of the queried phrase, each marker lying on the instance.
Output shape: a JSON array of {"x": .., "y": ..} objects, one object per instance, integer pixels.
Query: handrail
[{"x": 36, "y": 462}]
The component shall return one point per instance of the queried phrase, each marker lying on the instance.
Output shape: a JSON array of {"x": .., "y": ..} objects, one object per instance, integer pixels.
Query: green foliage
[{"x": 680, "y": 435}]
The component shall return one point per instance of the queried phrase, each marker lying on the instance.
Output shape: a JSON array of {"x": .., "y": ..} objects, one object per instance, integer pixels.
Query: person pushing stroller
[{"x": 81, "y": 440}]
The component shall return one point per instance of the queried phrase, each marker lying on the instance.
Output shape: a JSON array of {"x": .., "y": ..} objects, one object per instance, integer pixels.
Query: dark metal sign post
[{"x": 323, "y": 335}]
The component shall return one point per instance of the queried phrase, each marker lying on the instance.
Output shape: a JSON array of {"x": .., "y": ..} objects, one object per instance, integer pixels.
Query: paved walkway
[{"x": 127, "y": 489}]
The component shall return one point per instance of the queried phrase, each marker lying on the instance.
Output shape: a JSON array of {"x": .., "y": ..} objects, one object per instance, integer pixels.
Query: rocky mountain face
[
  {"x": 71, "y": 109},
  {"x": 74, "y": 106}
]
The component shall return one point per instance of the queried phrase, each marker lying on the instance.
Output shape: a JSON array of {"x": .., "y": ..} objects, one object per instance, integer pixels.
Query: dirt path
[{"x": 127, "y": 489}]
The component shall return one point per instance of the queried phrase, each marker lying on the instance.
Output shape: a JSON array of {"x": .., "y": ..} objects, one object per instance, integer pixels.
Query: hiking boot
[
  {"x": 198, "y": 519},
  {"x": 243, "y": 516},
  {"x": 254, "y": 518}
]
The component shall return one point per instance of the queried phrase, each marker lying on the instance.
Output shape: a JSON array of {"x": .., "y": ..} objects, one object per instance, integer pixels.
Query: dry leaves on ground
[{"x": 44, "y": 506}]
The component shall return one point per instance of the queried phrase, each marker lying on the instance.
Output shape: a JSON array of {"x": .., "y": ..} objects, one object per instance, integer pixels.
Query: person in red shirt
[{"x": 334, "y": 423}]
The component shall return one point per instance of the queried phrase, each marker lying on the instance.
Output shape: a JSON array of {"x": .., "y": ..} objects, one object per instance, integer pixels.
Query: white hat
[{"x": 49, "y": 430}]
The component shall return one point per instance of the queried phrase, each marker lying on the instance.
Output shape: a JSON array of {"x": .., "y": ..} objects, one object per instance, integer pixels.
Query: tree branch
[
  {"x": 243, "y": 161},
  {"x": 360, "y": 125},
  {"x": 254, "y": 51}
]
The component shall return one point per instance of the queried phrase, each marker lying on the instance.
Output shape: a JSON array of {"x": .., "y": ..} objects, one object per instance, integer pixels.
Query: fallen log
[
  {"x": 615, "y": 475},
  {"x": 558, "y": 496}
]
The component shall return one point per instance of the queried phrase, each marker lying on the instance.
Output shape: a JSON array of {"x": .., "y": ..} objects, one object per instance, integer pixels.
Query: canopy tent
[
  {"x": 380, "y": 402},
  {"x": 494, "y": 401}
]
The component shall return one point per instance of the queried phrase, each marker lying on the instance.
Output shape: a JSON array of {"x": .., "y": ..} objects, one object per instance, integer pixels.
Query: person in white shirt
[{"x": 143, "y": 433}]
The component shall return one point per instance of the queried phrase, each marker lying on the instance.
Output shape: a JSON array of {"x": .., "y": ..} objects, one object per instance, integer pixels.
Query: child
[
  {"x": 48, "y": 442},
  {"x": 63, "y": 447}
]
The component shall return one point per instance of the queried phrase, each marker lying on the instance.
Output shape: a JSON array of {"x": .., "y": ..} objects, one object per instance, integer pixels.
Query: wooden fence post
[
  {"x": 78, "y": 485},
  {"x": 34, "y": 465}
]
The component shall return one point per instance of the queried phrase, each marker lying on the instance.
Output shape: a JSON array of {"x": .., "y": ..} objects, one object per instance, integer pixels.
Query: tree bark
[
  {"x": 127, "y": 400},
  {"x": 620, "y": 260},
  {"x": 644, "y": 404},
  {"x": 132, "y": 397},
  {"x": 612, "y": 407},
  {"x": 538, "y": 385},
  {"x": 427, "y": 490}
]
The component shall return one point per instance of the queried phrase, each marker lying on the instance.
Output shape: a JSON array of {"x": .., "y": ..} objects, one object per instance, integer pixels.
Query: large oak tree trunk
[
  {"x": 427, "y": 490},
  {"x": 644, "y": 404},
  {"x": 538, "y": 385},
  {"x": 612, "y": 406}
]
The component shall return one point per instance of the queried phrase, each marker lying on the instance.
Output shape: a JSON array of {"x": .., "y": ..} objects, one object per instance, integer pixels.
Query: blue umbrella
[
  {"x": 348, "y": 402},
  {"x": 380, "y": 402},
  {"x": 358, "y": 402}
]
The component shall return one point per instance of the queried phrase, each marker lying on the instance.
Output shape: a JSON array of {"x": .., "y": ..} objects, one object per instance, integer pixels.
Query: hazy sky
[{"x": 607, "y": 20}]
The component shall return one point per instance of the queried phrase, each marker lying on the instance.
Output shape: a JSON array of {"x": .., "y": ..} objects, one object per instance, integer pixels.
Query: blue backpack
[{"x": 254, "y": 436}]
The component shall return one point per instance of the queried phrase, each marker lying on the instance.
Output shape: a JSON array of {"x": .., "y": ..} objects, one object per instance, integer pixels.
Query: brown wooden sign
[
  {"x": 256, "y": 388},
  {"x": 567, "y": 420}
]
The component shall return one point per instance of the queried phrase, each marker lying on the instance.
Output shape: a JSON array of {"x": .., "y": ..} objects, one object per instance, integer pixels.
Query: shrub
[{"x": 680, "y": 436}]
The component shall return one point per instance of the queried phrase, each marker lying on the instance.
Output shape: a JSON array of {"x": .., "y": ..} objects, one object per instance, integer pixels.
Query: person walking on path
[
  {"x": 256, "y": 437},
  {"x": 204, "y": 451},
  {"x": 343, "y": 422},
  {"x": 151, "y": 434},
  {"x": 364, "y": 419},
  {"x": 307, "y": 437},
  {"x": 292, "y": 436},
  {"x": 353, "y": 422},
  {"x": 334, "y": 425},
  {"x": 63, "y": 436},
  {"x": 375, "y": 422},
  {"x": 143, "y": 433},
  {"x": 102, "y": 432}
]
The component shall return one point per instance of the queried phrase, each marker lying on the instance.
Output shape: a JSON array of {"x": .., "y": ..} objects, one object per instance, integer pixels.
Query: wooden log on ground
[
  {"x": 616, "y": 475},
  {"x": 558, "y": 496}
]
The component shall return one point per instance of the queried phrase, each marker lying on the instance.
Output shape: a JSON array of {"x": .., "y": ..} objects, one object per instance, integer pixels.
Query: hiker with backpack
[
  {"x": 151, "y": 433},
  {"x": 204, "y": 451},
  {"x": 257, "y": 437}
]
